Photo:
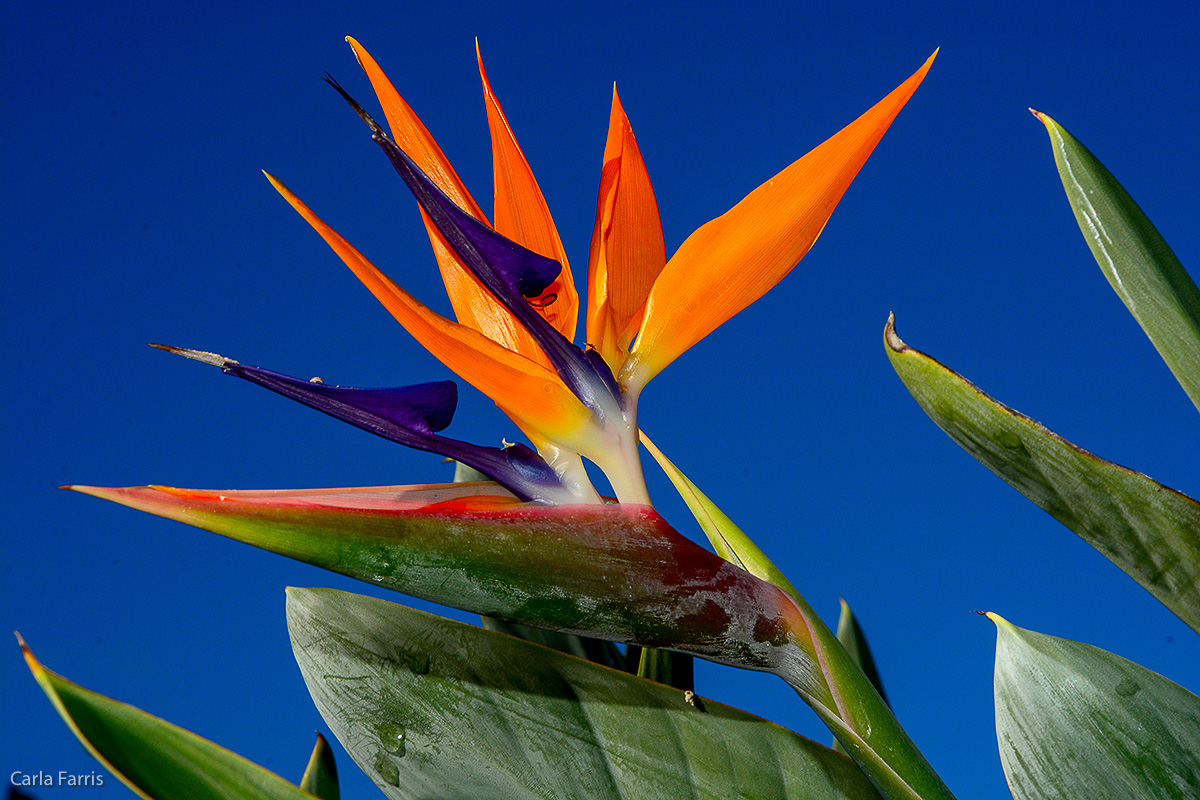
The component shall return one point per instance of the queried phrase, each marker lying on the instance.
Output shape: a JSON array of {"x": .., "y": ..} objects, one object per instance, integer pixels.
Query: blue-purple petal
[
  {"x": 410, "y": 415},
  {"x": 397, "y": 413},
  {"x": 512, "y": 273}
]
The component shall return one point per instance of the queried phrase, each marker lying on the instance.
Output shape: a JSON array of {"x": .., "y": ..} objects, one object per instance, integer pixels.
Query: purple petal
[
  {"x": 410, "y": 415},
  {"x": 398, "y": 413},
  {"x": 508, "y": 270}
]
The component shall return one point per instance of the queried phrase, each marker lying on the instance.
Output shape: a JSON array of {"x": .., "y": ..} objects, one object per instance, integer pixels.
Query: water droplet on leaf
[
  {"x": 391, "y": 736},
  {"x": 388, "y": 772}
]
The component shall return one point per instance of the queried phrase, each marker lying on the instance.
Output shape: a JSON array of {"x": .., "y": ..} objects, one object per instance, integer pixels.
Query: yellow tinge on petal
[
  {"x": 627, "y": 251},
  {"x": 532, "y": 394},
  {"x": 523, "y": 216},
  {"x": 733, "y": 260},
  {"x": 473, "y": 304}
]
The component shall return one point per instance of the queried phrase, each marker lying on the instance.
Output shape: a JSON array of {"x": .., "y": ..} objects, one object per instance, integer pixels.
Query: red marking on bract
[
  {"x": 473, "y": 504},
  {"x": 543, "y": 301}
]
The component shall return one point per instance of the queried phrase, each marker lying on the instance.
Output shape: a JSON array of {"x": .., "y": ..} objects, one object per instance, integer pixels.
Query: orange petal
[
  {"x": 627, "y": 243},
  {"x": 523, "y": 216},
  {"x": 473, "y": 305},
  {"x": 733, "y": 260},
  {"x": 533, "y": 395},
  {"x": 476, "y": 307},
  {"x": 413, "y": 137}
]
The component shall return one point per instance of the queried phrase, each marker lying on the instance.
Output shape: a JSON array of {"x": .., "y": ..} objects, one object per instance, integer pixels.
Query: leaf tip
[
  {"x": 35, "y": 666},
  {"x": 1002, "y": 625},
  {"x": 1044, "y": 119},
  {"x": 893, "y": 341}
]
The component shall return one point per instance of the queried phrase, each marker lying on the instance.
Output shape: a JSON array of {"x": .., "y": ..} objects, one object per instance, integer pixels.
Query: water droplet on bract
[
  {"x": 1128, "y": 688},
  {"x": 418, "y": 663}
]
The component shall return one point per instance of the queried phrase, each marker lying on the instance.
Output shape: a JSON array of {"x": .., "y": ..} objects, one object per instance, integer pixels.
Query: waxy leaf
[
  {"x": 431, "y": 708},
  {"x": 1134, "y": 257},
  {"x": 320, "y": 776},
  {"x": 851, "y": 636},
  {"x": 1147, "y": 529},
  {"x": 156, "y": 759},
  {"x": 1074, "y": 721},
  {"x": 585, "y": 647}
]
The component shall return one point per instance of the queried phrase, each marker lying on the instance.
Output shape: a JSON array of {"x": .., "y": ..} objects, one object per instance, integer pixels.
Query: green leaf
[
  {"x": 673, "y": 669},
  {"x": 1074, "y": 721},
  {"x": 1149, "y": 530},
  {"x": 154, "y": 758},
  {"x": 320, "y": 776},
  {"x": 586, "y": 647},
  {"x": 862, "y": 723},
  {"x": 431, "y": 708},
  {"x": 1134, "y": 257},
  {"x": 592, "y": 649},
  {"x": 851, "y": 635}
]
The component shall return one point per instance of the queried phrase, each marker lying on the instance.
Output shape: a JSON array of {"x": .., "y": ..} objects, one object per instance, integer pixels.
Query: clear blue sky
[{"x": 135, "y": 211}]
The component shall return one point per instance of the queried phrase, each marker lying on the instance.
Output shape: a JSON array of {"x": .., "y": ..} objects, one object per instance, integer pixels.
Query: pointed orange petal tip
[
  {"x": 529, "y": 391},
  {"x": 733, "y": 260},
  {"x": 522, "y": 214},
  {"x": 627, "y": 250}
]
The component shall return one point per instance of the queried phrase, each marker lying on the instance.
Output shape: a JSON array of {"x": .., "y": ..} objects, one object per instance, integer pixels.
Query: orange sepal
[
  {"x": 523, "y": 216},
  {"x": 532, "y": 394},
  {"x": 411, "y": 135},
  {"x": 473, "y": 304},
  {"x": 733, "y": 260},
  {"x": 627, "y": 252}
]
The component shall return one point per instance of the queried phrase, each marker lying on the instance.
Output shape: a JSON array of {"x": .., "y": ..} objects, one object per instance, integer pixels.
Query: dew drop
[
  {"x": 1128, "y": 688},
  {"x": 388, "y": 772},
  {"x": 391, "y": 736},
  {"x": 1011, "y": 441},
  {"x": 418, "y": 663}
]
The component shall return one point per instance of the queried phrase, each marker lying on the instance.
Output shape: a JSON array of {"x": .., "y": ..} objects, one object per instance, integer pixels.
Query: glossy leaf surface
[
  {"x": 851, "y": 635},
  {"x": 432, "y": 708},
  {"x": 156, "y": 759},
  {"x": 1074, "y": 721},
  {"x": 1149, "y": 530},
  {"x": 1134, "y": 257}
]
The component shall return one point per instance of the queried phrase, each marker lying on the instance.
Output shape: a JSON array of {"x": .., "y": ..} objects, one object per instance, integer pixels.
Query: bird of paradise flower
[
  {"x": 540, "y": 545},
  {"x": 516, "y": 303}
]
